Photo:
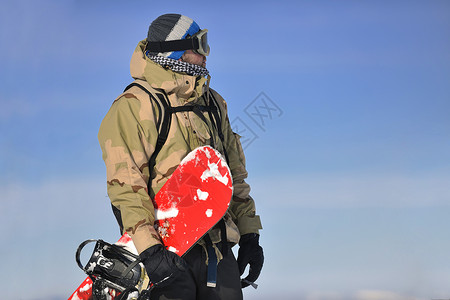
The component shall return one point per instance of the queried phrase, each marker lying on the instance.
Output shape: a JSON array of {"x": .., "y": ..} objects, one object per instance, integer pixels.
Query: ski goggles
[
  {"x": 197, "y": 43},
  {"x": 202, "y": 38}
]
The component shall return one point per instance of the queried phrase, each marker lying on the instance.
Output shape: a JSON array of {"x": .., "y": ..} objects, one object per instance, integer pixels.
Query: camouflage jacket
[{"x": 128, "y": 136}]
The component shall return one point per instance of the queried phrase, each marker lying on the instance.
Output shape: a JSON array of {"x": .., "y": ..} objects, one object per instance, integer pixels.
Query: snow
[
  {"x": 202, "y": 195},
  {"x": 86, "y": 287},
  {"x": 129, "y": 245},
  {"x": 106, "y": 292},
  {"x": 75, "y": 297},
  {"x": 91, "y": 267},
  {"x": 208, "y": 155},
  {"x": 165, "y": 214},
  {"x": 190, "y": 156},
  {"x": 213, "y": 168},
  {"x": 213, "y": 172},
  {"x": 162, "y": 231},
  {"x": 209, "y": 213},
  {"x": 173, "y": 249}
]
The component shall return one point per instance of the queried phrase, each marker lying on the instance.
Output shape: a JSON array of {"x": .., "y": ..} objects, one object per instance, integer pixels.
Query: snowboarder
[{"x": 165, "y": 113}]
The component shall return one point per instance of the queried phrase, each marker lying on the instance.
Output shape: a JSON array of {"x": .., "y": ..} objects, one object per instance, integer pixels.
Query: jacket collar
[{"x": 186, "y": 87}]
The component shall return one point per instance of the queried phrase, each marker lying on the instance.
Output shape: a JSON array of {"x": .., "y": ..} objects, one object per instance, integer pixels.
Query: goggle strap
[{"x": 168, "y": 46}]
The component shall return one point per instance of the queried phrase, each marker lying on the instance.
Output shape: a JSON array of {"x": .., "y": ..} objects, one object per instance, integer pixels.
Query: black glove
[
  {"x": 162, "y": 265},
  {"x": 250, "y": 253}
]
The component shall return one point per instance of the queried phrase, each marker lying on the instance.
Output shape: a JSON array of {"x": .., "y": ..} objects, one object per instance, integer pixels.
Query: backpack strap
[
  {"x": 166, "y": 110},
  {"x": 215, "y": 114},
  {"x": 163, "y": 122},
  {"x": 163, "y": 126}
]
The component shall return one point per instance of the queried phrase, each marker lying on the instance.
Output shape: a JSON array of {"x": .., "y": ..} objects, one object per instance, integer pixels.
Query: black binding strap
[{"x": 77, "y": 254}]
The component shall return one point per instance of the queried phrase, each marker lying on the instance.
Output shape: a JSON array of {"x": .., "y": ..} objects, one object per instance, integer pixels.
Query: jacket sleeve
[
  {"x": 127, "y": 141},
  {"x": 242, "y": 207}
]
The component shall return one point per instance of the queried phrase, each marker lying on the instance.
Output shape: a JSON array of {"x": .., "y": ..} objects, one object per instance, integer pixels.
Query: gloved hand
[
  {"x": 162, "y": 265},
  {"x": 250, "y": 253}
]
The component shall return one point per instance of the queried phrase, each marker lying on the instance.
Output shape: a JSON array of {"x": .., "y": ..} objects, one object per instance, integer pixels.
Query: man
[{"x": 171, "y": 63}]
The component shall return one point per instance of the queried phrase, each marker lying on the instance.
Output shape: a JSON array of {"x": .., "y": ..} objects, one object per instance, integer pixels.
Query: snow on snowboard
[{"x": 190, "y": 203}]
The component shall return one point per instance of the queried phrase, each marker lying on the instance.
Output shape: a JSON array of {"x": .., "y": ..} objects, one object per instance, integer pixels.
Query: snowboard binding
[{"x": 113, "y": 270}]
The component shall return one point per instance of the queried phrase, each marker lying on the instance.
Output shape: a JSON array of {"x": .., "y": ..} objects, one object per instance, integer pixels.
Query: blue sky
[{"x": 351, "y": 174}]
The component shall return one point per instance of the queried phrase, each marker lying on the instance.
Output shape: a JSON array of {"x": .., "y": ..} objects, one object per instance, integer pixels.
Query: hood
[{"x": 185, "y": 87}]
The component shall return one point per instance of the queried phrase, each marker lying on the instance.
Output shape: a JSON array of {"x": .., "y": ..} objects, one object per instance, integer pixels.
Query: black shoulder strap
[
  {"x": 163, "y": 122},
  {"x": 215, "y": 110},
  {"x": 162, "y": 125},
  {"x": 218, "y": 122},
  {"x": 166, "y": 111}
]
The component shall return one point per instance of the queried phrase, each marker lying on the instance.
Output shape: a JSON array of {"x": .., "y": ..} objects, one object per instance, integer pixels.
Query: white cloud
[
  {"x": 330, "y": 295},
  {"x": 321, "y": 295},
  {"x": 17, "y": 108},
  {"x": 43, "y": 224},
  {"x": 358, "y": 295},
  {"x": 57, "y": 201},
  {"x": 55, "y": 216},
  {"x": 356, "y": 190},
  {"x": 380, "y": 295}
]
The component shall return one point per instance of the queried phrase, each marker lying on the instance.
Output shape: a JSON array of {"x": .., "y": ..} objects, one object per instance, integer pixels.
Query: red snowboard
[{"x": 190, "y": 203}]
